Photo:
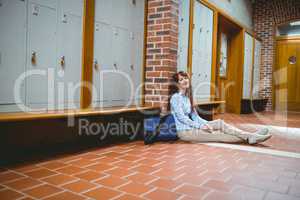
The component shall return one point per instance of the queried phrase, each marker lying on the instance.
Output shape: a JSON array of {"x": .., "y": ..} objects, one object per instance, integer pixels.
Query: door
[
  {"x": 41, "y": 55},
  {"x": 12, "y": 49},
  {"x": 69, "y": 53},
  {"x": 183, "y": 34},
  {"x": 256, "y": 70},
  {"x": 202, "y": 51},
  {"x": 248, "y": 66},
  {"x": 286, "y": 76}
]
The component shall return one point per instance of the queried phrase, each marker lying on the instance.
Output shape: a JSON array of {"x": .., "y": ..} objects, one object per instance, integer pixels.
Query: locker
[
  {"x": 248, "y": 66},
  {"x": 120, "y": 16},
  {"x": 121, "y": 46},
  {"x": 202, "y": 51},
  {"x": 118, "y": 47},
  {"x": 39, "y": 57},
  {"x": 256, "y": 70},
  {"x": 183, "y": 34},
  {"x": 12, "y": 48},
  {"x": 102, "y": 62},
  {"x": 69, "y": 53},
  {"x": 103, "y": 11}
]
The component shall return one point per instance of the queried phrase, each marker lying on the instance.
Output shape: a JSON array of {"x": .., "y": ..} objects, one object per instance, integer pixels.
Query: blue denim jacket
[{"x": 180, "y": 106}]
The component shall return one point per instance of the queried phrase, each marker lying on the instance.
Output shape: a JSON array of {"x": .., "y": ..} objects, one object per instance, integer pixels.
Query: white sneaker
[
  {"x": 256, "y": 138},
  {"x": 263, "y": 131}
]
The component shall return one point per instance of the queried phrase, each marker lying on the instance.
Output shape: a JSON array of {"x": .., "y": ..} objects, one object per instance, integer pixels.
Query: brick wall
[
  {"x": 267, "y": 14},
  {"x": 161, "y": 51}
]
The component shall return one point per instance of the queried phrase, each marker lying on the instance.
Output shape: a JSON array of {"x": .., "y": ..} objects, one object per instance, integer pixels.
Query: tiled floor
[{"x": 163, "y": 171}]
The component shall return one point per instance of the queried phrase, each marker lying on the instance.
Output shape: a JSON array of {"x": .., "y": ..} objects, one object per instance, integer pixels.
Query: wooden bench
[
  {"x": 206, "y": 109},
  {"x": 21, "y": 116},
  {"x": 29, "y": 133}
]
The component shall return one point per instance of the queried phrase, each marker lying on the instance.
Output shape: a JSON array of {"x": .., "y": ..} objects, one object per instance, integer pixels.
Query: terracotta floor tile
[
  {"x": 102, "y": 193},
  {"x": 100, "y": 167},
  {"x": 9, "y": 194},
  {"x": 90, "y": 175},
  {"x": 129, "y": 197},
  {"x": 83, "y": 162},
  {"x": 121, "y": 172},
  {"x": 79, "y": 186},
  {"x": 130, "y": 158},
  {"x": 23, "y": 183},
  {"x": 53, "y": 165},
  {"x": 141, "y": 178},
  {"x": 42, "y": 191},
  {"x": 192, "y": 191},
  {"x": 149, "y": 162},
  {"x": 167, "y": 173},
  {"x": 40, "y": 173},
  {"x": 59, "y": 179},
  {"x": 218, "y": 185},
  {"x": 135, "y": 188},
  {"x": 125, "y": 164},
  {"x": 111, "y": 181},
  {"x": 107, "y": 160},
  {"x": 9, "y": 176},
  {"x": 162, "y": 194},
  {"x": 65, "y": 196},
  {"x": 145, "y": 169},
  {"x": 194, "y": 180},
  {"x": 90, "y": 156},
  {"x": 112, "y": 154},
  {"x": 70, "y": 170},
  {"x": 166, "y": 183},
  {"x": 25, "y": 168}
]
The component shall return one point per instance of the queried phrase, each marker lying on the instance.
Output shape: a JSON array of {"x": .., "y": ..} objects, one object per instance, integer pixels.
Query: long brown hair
[{"x": 173, "y": 88}]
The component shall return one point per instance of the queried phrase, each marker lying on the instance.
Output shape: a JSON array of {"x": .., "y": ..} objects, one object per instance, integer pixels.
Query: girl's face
[{"x": 183, "y": 82}]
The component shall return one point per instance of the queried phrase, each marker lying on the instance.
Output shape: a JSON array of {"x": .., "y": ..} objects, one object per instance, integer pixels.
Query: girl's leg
[
  {"x": 229, "y": 129},
  {"x": 198, "y": 135}
]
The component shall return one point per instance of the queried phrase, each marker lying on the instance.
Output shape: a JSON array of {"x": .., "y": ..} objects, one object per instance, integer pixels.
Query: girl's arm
[
  {"x": 177, "y": 107},
  {"x": 195, "y": 117}
]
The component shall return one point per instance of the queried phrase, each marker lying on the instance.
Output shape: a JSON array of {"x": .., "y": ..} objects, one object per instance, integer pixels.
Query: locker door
[
  {"x": 256, "y": 70},
  {"x": 103, "y": 80},
  {"x": 121, "y": 13},
  {"x": 69, "y": 58},
  {"x": 202, "y": 51},
  {"x": 183, "y": 35},
  {"x": 12, "y": 47},
  {"x": 122, "y": 53},
  {"x": 103, "y": 11},
  {"x": 41, "y": 54},
  {"x": 137, "y": 19},
  {"x": 208, "y": 51},
  {"x": 247, "y": 66},
  {"x": 197, "y": 54}
]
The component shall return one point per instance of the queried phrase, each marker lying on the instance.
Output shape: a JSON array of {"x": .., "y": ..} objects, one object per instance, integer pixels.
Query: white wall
[{"x": 240, "y": 10}]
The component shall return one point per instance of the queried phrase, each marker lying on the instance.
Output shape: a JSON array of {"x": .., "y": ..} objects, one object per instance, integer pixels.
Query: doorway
[{"x": 286, "y": 81}]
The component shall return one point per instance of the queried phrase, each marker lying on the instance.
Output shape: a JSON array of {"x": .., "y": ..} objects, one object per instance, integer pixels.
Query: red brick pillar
[{"x": 161, "y": 50}]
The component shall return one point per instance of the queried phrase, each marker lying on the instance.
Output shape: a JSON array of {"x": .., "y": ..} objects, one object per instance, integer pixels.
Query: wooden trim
[
  {"x": 190, "y": 45},
  {"x": 214, "y": 69},
  {"x": 199, "y": 102},
  {"x": 87, "y": 54},
  {"x": 222, "y": 12},
  {"x": 252, "y": 70},
  {"x": 144, "y": 53},
  {"x": 20, "y": 116},
  {"x": 296, "y": 37}
]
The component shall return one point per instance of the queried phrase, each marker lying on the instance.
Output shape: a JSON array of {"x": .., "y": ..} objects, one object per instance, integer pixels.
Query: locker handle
[
  {"x": 33, "y": 58},
  {"x": 115, "y": 66},
  {"x": 62, "y": 61},
  {"x": 131, "y": 67},
  {"x": 96, "y": 65}
]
